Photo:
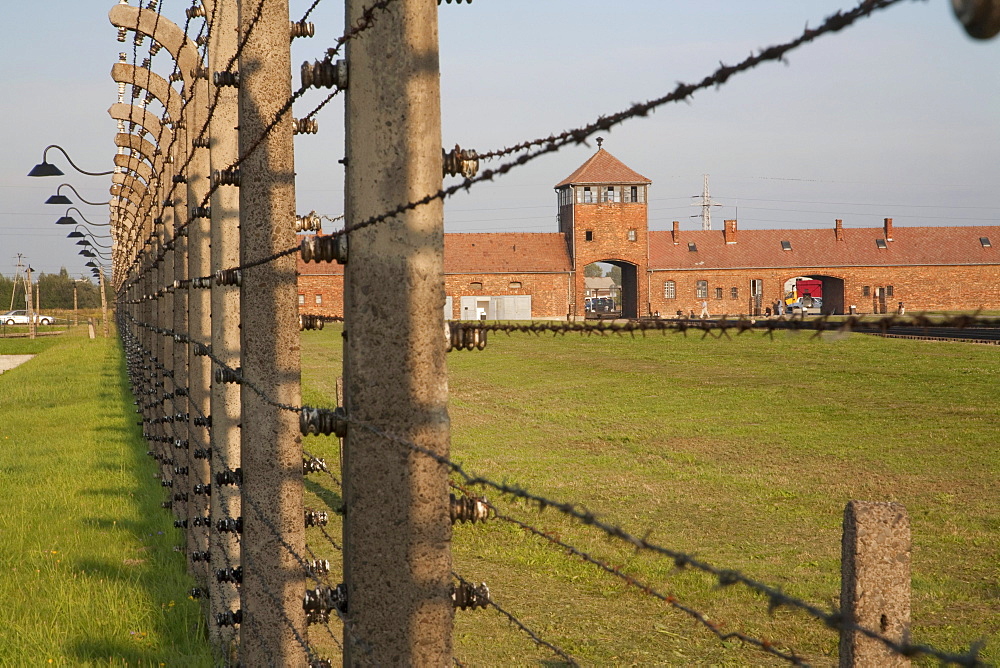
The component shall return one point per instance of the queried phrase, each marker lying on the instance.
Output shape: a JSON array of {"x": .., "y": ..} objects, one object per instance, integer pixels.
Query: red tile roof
[
  {"x": 820, "y": 248},
  {"x": 602, "y": 167},
  {"x": 486, "y": 252}
]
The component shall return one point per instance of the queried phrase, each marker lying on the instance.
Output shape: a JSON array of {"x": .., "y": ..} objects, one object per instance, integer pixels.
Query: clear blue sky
[{"x": 897, "y": 116}]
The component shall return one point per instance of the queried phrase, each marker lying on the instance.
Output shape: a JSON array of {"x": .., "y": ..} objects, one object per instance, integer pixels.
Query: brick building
[{"x": 602, "y": 212}]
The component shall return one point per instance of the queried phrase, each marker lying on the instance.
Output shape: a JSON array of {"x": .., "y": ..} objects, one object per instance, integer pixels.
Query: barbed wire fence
[{"x": 207, "y": 310}]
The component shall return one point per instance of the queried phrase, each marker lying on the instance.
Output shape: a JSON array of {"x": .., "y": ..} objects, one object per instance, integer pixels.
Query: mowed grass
[
  {"x": 741, "y": 451},
  {"x": 88, "y": 574}
]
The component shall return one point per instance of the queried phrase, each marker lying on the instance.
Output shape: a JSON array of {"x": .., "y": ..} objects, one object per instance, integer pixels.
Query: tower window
[
  {"x": 589, "y": 235},
  {"x": 634, "y": 193},
  {"x": 632, "y": 235},
  {"x": 611, "y": 194},
  {"x": 588, "y": 195}
]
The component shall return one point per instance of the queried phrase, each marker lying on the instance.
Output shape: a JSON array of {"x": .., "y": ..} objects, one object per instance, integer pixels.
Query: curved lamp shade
[{"x": 45, "y": 168}]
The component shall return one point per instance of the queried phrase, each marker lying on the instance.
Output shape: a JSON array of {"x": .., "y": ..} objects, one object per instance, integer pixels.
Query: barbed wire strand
[
  {"x": 725, "y": 577},
  {"x": 521, "y": 625},
  {"x": 714, "y": 627}
]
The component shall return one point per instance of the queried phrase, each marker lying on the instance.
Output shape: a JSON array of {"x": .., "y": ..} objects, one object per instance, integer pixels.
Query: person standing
[{"x": 704, "y": 308}]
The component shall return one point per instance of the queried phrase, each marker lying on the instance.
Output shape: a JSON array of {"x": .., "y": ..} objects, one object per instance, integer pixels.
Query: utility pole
[
  {"x": 104, "y": 305},
  {"x": 397, "y": 533},
  {"x": 706, "y": 205},
  {"x": 31, "y": 314}
]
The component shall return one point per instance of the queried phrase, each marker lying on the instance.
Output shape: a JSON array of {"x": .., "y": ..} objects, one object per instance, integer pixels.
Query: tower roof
[{"x": 602, "y": 167}]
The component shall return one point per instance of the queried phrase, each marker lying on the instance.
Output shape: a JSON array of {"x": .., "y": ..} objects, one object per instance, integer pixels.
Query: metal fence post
[
  {"x": 397, "y": 531},
  {"x": 273, "y": 619},
  {"x": 875, "y": 582}
]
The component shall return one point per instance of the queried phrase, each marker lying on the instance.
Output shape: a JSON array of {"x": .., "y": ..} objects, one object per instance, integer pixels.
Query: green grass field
[
  {"x": 741, "y": 451},
  {"x": 88, "y": 574}
]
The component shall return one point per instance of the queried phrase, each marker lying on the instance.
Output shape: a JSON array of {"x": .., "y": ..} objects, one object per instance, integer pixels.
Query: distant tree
[
  {"x": 616, "y": 275},
  {"x": 593, "y": 270},
  {"x": 56, "y": 290}
]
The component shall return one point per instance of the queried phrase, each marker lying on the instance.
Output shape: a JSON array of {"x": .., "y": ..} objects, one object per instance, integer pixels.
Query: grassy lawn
[
  {"x": 741, "y": 451},
  {"x": 88, "y": 575}
]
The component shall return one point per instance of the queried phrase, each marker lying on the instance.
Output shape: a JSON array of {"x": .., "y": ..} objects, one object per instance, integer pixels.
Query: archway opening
[
  {"x": 817, "y": 293},
  {"x": 611, "y": 289}
]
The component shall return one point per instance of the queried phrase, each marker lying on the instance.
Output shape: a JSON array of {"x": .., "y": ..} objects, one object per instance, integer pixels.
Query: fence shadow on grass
[{"x": 152, "y": 564}]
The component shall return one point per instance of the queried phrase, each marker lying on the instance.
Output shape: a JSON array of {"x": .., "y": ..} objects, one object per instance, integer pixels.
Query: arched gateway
[{"x": 603, "y": 216}]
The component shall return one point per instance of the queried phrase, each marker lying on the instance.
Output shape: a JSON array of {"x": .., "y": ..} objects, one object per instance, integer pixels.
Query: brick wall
[
  {"x": 919, "y": 288},
  {"x": 549, "y": 292},
  {"x": 609, "y": 224},
  {"x": 329, "y": 286}
]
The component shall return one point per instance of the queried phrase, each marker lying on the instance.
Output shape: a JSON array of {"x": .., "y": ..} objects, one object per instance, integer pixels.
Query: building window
[
  {"x": 669, "y": 290},
  {"x": 880, "y": 243},
  {"x": 734, "y": 293},
  {"x": 718, "y": 293},
  {"x": 786, "y": 245},
  {"x": 692, "y": 247},
  {"x": 319, "y": 299},
  {"x": 588, "y": 196},
  {"x": 302, "y": 300},
  {"x": 514, "y": 285},
  {"x": 888, "y": 291},
  {"x": 589, "y": 235},
  {"x": 985, "y": 241},
  {"x": 475, "y": 285},
  {"x": 632, "y": 235},
  {"x": 701, "y": 289},
  {"x": 866, "y": 291},
  {"x": 634, "y": 192},
  {"x": 611, "y": 194}
]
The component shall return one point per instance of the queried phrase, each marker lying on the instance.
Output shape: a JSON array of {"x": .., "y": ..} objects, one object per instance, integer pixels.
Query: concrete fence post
[
  {"x": 273, "y": 627},
  {"x": 875, "y": 582},
  {"x": 397, "y": 529},
  {"x": 225, "y": 397}
]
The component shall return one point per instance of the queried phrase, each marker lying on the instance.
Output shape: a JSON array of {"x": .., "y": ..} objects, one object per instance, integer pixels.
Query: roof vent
[
  {"x": 692, "y": 246},
  {"x": 881, "y": 243},
  {"x": 985, "y": 241},
  {"x": 786, "y": 245}
]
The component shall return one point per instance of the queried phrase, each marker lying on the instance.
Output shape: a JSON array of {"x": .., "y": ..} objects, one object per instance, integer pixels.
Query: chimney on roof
[
  {"x": 730, "y": 232},
  {"x": 676, "y": 234},
  {"x": 839, "y": 230},
  {"x": 888, "y": 229}
]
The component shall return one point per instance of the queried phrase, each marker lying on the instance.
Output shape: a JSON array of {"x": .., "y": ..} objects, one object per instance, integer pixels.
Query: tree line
[{"x": 56, "y": 291}]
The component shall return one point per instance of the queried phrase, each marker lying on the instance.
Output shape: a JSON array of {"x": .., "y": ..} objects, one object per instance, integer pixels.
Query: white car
[
  {"x": 21, "y": 318},
  {"x": 798, "y": 307}
]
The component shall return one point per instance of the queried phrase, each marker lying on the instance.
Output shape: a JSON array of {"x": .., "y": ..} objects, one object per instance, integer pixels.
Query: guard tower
[{"x": 603, "y": 215}]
